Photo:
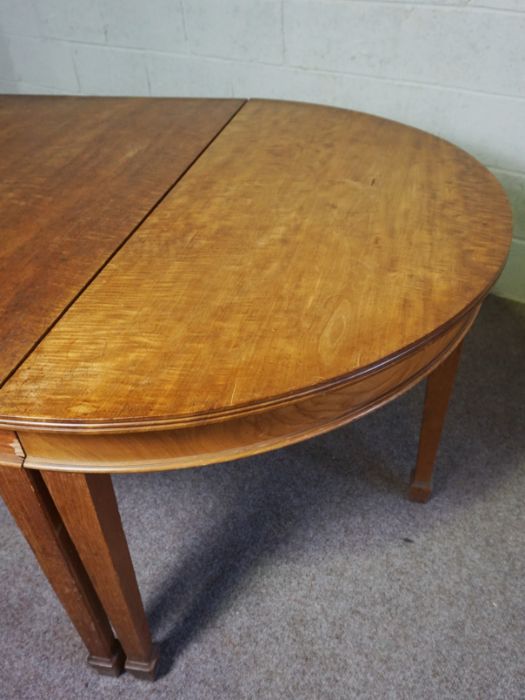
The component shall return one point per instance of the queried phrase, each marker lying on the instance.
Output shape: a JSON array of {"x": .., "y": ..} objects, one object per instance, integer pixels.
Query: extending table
[{"x": 189, "y": 281}]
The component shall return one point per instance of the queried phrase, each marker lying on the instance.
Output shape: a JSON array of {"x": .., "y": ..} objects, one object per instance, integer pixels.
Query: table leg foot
[
  {"x": 419, "y": 491},
  {"x": 146, "y": 670},
  {"x": 88, "y": 507},
  {"x": 439, "y": 388},
  {"x": 109, "y": 666}
]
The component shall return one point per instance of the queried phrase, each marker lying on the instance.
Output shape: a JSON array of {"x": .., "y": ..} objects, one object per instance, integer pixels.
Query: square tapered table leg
[
  {"x": 88, "y": 507},
  {"x": 438, "y": 391},
  {"x": 30, "y": 504}
]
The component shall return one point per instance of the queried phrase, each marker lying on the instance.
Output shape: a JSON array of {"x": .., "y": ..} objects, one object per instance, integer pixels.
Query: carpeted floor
[{"x": 306, "y": 574}]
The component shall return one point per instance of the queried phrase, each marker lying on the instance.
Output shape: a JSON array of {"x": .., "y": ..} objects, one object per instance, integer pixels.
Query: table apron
[{"x": 240, "y": 437}]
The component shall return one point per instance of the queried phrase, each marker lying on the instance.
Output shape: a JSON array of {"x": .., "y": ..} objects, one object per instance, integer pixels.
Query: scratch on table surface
[{"x": 233, "y": 392}]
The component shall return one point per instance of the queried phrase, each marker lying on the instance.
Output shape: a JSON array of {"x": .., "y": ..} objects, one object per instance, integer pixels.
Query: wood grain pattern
[
  {"x": 28, "y": 500},
  {"x": 306, "y": 246},
  {"x": 88, "y": 508},
  {"x": 76, "y": 176},
  {"x": 236, "y": 437},
  {"x": 309, "y": 267}
]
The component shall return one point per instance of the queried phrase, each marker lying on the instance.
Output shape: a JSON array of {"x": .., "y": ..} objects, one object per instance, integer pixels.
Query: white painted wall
[{"x": 453, "y": 67}]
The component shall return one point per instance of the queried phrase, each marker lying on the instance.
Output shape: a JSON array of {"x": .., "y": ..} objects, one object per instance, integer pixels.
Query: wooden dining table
[{"x": 189, "y": 281}]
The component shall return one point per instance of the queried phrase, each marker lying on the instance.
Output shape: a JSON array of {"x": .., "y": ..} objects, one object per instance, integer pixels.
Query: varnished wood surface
[
  {"x": 76, "y": 176},
  {"x": 306, "y": 246},
  {"x": 310, "y": 266},
  {"x": 237, "y": 437}
]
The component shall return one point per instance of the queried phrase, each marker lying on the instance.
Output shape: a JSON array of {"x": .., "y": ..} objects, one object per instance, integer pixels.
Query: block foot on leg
[
  {"x": 109, "y": 666},
  {"x": 146, "y": 670}
]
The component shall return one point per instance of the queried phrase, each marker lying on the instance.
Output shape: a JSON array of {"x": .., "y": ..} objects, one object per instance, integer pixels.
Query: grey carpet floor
[{"x": 305, "y": 573}]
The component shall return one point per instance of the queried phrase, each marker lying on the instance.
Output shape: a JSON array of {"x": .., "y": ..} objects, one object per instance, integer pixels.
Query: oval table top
[{"x": 304, "y": 246}]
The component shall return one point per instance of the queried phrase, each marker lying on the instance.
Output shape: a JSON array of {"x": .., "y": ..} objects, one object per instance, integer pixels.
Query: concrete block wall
[{"x": 453, "y": 67}]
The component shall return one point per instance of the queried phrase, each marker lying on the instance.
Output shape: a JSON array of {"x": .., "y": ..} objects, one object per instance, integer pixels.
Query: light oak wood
[
  {"x": 438, "y": 391},
  {"x": 311, "y": 265},
  {"x": 28, "y": 500},
  {"x": 236, "y": 437},
  {"x": 89, "y": 510},
  {"x": 306, "y": 246},
  {"x": 76, "y": 176}
]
